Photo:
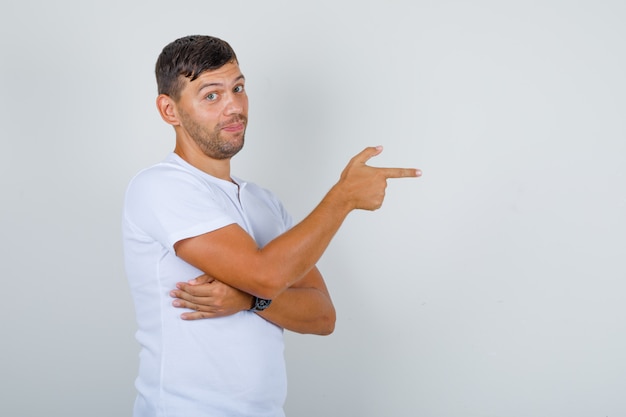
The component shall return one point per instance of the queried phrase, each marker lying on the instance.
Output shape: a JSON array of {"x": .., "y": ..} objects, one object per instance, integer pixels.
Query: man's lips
[
  {"x": 234, "y": 127},
  {"x": 236, "y": 124}
]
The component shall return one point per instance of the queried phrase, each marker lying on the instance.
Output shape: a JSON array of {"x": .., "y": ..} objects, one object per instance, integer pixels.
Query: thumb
[
  {"x": 366, "y": 154},
  {"x": 202, "y": 279}
]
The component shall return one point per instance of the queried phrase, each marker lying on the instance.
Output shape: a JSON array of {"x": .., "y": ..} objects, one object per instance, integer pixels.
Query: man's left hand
[{"x": 209, "y": 298}]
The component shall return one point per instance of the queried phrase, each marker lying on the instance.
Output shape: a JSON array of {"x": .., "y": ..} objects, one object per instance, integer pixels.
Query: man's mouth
[{"x": 232, "y": 126}]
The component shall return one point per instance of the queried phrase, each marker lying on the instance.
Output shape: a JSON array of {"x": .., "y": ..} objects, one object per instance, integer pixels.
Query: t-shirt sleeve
[{"x": 169, "y": 204}]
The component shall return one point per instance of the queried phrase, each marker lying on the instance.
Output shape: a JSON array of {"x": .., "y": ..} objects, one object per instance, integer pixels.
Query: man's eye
[
  {"x": 238, "y": 89},
  {"x": 211, "y": 97}
]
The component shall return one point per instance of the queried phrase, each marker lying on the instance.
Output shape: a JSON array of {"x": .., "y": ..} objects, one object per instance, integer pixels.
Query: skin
[{"x": 209, "y": 119}]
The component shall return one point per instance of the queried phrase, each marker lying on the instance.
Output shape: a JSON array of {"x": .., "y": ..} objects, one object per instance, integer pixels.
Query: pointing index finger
[{"x": 401, "y": 172}]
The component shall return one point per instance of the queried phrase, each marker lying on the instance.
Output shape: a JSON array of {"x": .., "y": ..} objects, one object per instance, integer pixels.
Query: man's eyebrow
[{"x": 218, "y": 84}]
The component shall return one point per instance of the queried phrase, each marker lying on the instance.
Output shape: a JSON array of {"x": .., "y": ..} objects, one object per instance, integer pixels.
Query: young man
[{"x": 188, "y": 216}]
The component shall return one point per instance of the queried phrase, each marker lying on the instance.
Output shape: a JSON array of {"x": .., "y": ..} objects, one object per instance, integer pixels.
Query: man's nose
[{"x": 235, "y": 104}]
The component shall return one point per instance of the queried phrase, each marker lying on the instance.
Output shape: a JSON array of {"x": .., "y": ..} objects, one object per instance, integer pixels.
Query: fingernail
[{"x": 176, "y": 303}]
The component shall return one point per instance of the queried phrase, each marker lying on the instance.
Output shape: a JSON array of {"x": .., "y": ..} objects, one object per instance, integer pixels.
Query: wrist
[
  {"x": 338, "y": 199},
  {"x": 259, "y": 304}
]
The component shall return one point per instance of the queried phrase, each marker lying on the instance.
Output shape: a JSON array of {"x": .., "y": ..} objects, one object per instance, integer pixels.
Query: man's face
[{"x": 213, "y": 111}]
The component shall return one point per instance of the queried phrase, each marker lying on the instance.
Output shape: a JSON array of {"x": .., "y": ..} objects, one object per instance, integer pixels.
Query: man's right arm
[{"x": 231, "y": 255}]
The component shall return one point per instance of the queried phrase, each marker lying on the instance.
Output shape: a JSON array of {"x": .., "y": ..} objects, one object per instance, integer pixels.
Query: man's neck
[{"x": 218, "y": 168}]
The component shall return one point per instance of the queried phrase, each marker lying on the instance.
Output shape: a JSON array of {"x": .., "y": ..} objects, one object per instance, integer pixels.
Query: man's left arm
[{"x": 305, "y": 307}]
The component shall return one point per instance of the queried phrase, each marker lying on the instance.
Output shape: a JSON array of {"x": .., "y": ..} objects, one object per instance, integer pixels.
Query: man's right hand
[{"x": 363, "y": 186}]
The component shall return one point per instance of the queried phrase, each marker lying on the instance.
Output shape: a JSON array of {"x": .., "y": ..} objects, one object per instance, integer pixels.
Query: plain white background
[{"x": 492, "y": 286}]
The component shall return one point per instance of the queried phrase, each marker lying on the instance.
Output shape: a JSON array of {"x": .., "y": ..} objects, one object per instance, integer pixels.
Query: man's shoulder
[
  {"x": 157, "y": 186},
  {"x": 162, "y": 173}
]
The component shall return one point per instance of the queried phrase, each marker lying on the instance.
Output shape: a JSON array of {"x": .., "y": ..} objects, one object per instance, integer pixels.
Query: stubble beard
[{"x": 213, "y": 143}]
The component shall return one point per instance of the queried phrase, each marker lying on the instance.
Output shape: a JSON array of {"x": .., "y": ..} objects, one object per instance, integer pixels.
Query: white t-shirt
[{"x": 231, "y": 366}]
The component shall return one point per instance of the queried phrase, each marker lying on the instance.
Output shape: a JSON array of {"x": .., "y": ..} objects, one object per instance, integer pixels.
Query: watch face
[{"x": 262, "y": 304}]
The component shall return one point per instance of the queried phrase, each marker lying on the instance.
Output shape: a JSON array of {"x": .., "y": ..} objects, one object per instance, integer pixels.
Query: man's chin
[{"x": 225, "y": 152}]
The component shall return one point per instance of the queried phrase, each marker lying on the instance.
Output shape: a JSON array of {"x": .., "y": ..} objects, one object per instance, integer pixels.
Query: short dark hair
[{"x": 189, "y": 57}]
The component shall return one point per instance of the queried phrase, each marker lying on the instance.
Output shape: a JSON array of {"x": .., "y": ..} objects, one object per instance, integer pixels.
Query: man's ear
[{"x": 167, "y": 109}]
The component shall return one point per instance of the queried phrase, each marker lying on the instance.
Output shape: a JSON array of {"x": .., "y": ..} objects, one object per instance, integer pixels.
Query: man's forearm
[
  {"x": 304, "y": 308},
  {"x": 230, "y": 254}
]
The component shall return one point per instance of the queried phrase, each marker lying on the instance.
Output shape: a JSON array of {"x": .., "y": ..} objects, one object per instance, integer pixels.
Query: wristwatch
[{"x": 260, "y": 304}]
